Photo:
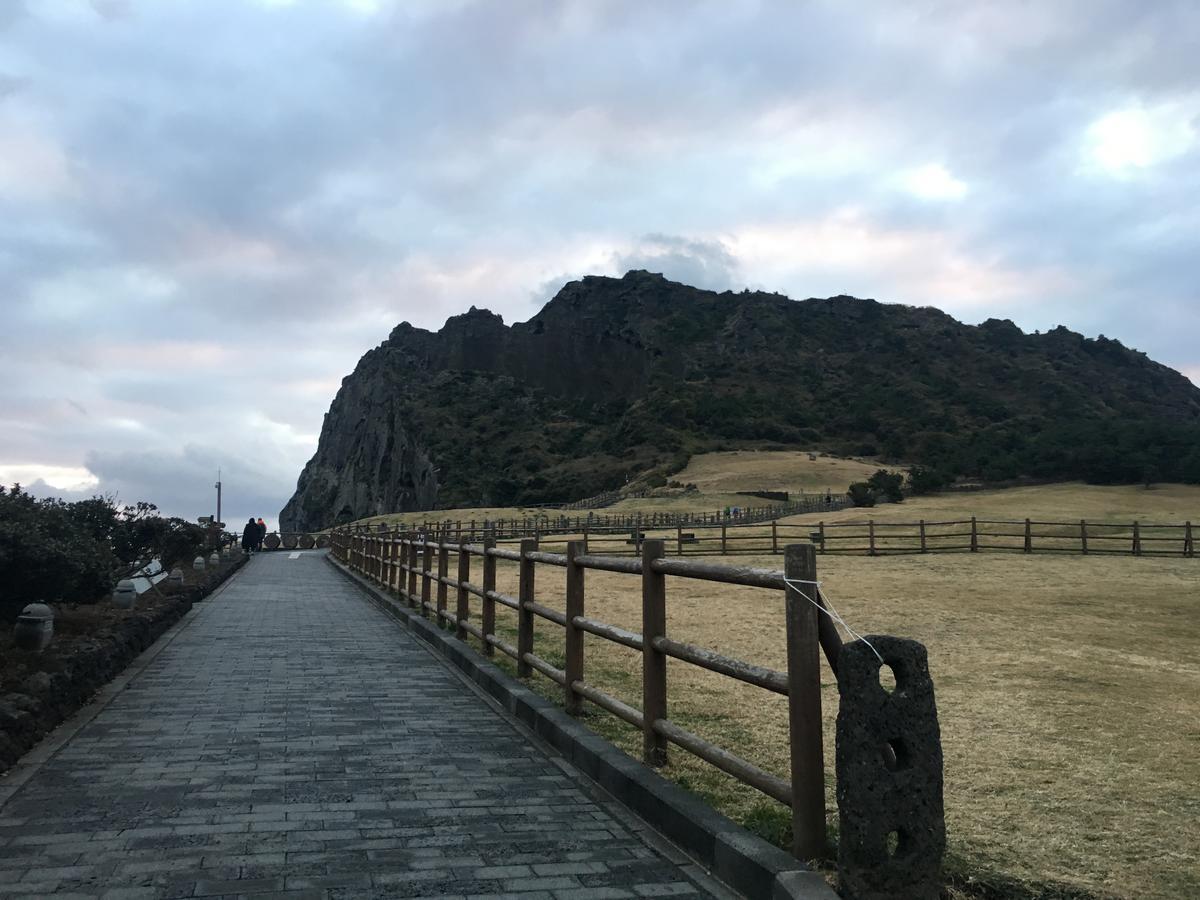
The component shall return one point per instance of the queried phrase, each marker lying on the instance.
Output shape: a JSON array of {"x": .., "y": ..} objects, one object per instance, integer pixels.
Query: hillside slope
[{"x": 618, "y": 376}]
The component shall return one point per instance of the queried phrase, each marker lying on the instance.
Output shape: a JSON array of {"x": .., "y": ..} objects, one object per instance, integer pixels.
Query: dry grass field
[
  {"x": 1070, "y": 502},
  {"x": 1068, "y": 691},
  {"x": 1068, "y": 686},
  {"x": 768, "y": 470}
]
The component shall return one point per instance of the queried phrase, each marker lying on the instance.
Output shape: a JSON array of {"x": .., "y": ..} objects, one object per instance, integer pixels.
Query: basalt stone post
[
  {"x": 889, "y": 774},
  {"x": 34, "y": 628}
]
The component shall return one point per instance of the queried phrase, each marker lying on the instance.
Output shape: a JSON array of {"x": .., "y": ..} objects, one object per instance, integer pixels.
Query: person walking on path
[
  {"x": 262, "y": 534},
  {"x": 250, "y": 538}
]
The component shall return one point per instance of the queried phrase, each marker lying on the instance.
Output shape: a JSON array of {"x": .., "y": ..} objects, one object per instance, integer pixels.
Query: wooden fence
[
  {"x": 870, "y": 538},
  {"x": 975, "y": 535},
  {"x": 417, "y": 570},
  {"x": 537, "y": 526}
]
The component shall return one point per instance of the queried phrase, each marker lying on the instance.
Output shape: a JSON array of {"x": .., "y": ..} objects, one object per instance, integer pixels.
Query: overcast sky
[{"x": 209, "y": 209}]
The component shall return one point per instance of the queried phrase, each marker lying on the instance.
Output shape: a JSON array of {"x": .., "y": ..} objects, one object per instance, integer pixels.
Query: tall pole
[{"x": 218, "y": 497}]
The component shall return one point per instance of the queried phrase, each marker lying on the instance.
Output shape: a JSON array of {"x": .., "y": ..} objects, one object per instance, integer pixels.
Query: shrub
[
  {"x": 51, "y": 550},
  {"x": 889, "y": 486},
  {"x": 926, "y": 480},
  {"x": 861, "y": 494}
]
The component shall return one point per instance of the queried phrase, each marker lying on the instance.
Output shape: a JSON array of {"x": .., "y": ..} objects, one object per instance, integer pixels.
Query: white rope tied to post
[{"x": 826, "y": 606}]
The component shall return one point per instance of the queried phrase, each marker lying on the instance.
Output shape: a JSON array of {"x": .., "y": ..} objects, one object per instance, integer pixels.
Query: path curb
[{"x": 743, "y": 861}]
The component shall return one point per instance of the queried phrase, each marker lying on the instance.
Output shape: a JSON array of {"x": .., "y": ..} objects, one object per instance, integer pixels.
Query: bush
[
  {"x": 888, "y": 486},
  {"x": 926, "y": 480},
  {"x": 861, "y": 494},
  {"x": 51, "y": 550}
]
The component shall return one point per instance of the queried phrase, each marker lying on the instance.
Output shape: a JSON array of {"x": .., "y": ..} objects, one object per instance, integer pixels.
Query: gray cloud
[
  {"x": 705, "y": 264},
  {"x": 209, "y": 210}
]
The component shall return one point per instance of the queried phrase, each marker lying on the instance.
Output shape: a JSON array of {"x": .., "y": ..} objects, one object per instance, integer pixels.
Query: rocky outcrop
[
  {"x": 619, "y": 377},
  {"x": 367, "y": 461}
]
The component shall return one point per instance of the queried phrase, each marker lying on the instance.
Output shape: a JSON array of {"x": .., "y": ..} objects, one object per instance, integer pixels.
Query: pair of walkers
[{"x": 253, "y": 535}]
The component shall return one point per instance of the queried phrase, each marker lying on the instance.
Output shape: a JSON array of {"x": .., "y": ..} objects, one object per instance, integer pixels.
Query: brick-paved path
[{"x": 293, "y": 740}]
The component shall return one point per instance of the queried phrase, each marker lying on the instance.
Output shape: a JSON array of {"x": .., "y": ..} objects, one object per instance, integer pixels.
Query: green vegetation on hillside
[{"x": 620, "y": 380}]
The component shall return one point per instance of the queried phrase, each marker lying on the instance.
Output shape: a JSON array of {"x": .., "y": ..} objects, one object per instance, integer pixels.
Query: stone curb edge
[{"x": 741, "y": 860}]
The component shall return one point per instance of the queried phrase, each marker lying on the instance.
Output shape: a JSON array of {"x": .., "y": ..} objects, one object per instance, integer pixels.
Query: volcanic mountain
[{"x": 620, "y": 379}]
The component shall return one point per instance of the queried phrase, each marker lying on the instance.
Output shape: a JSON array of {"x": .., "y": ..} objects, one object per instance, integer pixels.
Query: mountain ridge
[{"x": 617, "y": 377}]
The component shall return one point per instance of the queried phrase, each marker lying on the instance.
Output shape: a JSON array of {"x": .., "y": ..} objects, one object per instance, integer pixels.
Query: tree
[
  {"x": 861, "y": 494},
  {"x": 926, "y": 480},
  {"x": 51, "y": 550},
  {"x": 888, "y": 486}
]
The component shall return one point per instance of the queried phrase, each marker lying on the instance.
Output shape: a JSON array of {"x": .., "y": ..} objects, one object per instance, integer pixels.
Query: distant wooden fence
[
  {"x": 537, "y": 526},
  {"x": 870, "y": 538},
  {"x": 976, "y": 535},
  {"x": 417, "y": 570}
]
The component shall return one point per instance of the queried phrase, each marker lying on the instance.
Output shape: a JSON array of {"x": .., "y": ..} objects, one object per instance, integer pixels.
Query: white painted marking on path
[{"x": 293, "y": 556}]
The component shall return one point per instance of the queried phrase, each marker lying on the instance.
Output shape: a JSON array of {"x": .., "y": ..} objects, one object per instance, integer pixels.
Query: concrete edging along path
[{"x": 740, "y": 859}]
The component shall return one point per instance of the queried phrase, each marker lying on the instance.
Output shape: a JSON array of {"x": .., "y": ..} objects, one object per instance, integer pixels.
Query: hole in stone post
[
  {"x": 893, "y": 843},
  {"x": 887, "y": 678},
  {"x": 897, "y": 843},
  {"x": 895, "y": 754}
]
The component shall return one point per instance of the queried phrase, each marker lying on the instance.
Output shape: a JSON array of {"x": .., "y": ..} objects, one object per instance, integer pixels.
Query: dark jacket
[{"x": 250, "y": 536}]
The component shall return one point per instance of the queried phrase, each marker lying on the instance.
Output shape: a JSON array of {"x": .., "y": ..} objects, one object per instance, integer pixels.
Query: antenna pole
[{"x": 218, "y": 496}]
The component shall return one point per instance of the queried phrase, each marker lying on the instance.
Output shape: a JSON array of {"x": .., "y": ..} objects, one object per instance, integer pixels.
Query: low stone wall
[{"x": 68, "y": 673}]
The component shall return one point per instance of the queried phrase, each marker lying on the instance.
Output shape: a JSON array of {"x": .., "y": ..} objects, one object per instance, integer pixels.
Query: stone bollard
[
  {"x": 198, "y": 564},
  {"x": 889, "y": 774},
  {"x": 214, "y": 558},
  {"x": 34, "y": 628},
  {"x": 175, "y": 579},
  {"x": 125, "y": 594}
]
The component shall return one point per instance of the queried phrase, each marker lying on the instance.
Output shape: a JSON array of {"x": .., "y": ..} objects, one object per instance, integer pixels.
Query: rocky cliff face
[{"x": 617, "y": 377}]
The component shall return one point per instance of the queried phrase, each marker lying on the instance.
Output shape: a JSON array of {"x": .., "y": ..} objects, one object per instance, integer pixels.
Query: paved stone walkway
[{"x": 293, "y": 740}]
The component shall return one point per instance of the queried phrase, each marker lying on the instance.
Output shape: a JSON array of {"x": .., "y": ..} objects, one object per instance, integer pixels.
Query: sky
[{"x": 209, "y": 209}]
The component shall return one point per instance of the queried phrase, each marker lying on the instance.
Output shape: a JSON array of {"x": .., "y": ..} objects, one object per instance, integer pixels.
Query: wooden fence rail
[
  {"x": 402, "y": 562},
  {"x": 870, "y": 538}
]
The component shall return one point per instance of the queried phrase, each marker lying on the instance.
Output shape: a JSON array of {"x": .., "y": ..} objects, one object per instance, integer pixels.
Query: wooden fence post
[
  {"x": 462, "y": 610},
  {"x": 397, "y": 558},
  {"x": 1137, "y": 539},
  {"x": 426, "y": 574},
  {"x": 821, "y": 531},
  {"x": 443, "y": 573},
  {"x": 974, "y": 535},
  {"x": 774, "y": 537},
  {"x": 722, "y": 537},
  {"x": 924, "y": 545},
  {"x": 1083, "y": 547},
  {"x": 679, "y": 540},
  {"x": 804, "y": 703},
  {"x": 524, "y": 615},
  {"x": 1028, "y": 536},
  {"x": 871, "y": 536},
  {"x": 489, "y": 585},
  {"x": 1189, "y": 547},
  {"x": 574, "y": 634},
  {"x": 654, "y": 661},
  {"x": 585, "y": 537},
  {"x": 411, "y": 559}
]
